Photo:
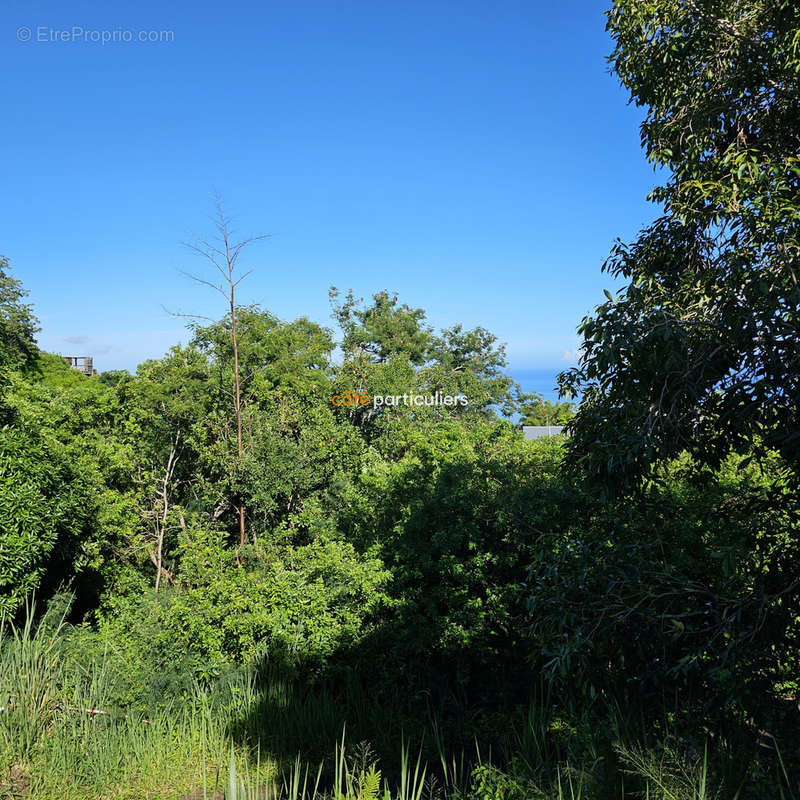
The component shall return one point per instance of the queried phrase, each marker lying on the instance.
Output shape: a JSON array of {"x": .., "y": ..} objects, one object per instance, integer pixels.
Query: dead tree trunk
[
  {"x": 224, "y": 254},
  {"x": 161, "y": 511}
]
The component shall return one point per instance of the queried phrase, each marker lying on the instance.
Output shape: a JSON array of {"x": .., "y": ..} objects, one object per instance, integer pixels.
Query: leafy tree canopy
[
  {"x": 18, "y": 325},
  {"x": 383, "y": 329},
  {"x": 535, "y": 410},
  {"x": 701, "y": 350},
  {"x": 389, "y": 350}
]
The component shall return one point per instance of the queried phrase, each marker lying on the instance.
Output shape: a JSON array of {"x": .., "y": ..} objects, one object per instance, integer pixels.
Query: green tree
[
  {"x": 223, "y": 253},
  {"x": 165, "y": 406},
  {"x": 701, "y": 349},
  {"x": 383, "y": 329},
  {"x": 389, "y": 349},
  {"x": 454, "y": 506},
  {"x": 66, "y": 492},
  {"x": 113, "y": 377},
  {"x": 42, "y": 515},
  {"x": 535, "y": 410},
  {"x": 295, "y": 446},
  {"x": 471, "y": 363},
  {"x": 18, "y": 328},
  {"x": 18, "y": 325}
]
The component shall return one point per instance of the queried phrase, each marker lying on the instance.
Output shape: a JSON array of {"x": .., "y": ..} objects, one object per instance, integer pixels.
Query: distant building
[
  {"x": 81, "y": 363},
  {"x": 531, "y": 432}
]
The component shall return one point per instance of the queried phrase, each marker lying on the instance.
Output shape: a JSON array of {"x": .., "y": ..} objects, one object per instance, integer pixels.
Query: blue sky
[{"x": 476, "y": 158}]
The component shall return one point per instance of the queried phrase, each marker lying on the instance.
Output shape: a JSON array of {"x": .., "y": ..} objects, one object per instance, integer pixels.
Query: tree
[
  {"x": 42, "y": 514},
  {"x": 389, "y": 349},
  {"x": 223, "y": 253},
  {"x": 471, "y": 363},
  {"x": 165, "y": 403},
  {"x": 18, "y": 325},
  {"x": 297, "y": 449},
  {"x": 66, "y": 504},
  {"x": 383, "y": 329},
  {"x": 455, "y": 508},
  {"x": 701, "y": 350},
  {"x": 113, "y": 377},
  {"x": 535, "y": 410}
]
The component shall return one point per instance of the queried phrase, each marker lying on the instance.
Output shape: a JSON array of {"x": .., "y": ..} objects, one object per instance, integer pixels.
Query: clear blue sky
[{"x": 475, "y": 157}]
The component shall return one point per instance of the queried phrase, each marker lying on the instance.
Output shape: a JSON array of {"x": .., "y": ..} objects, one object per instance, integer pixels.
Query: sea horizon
[{"x": 539, "y": 379}]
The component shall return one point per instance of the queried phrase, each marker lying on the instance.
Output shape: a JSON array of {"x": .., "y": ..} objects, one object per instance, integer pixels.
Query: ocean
[{"x": 541, "y": 380}]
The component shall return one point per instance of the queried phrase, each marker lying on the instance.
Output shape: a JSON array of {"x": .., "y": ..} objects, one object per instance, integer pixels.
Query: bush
[
  {"x": 44, "y": 517},
  {"x": 687, "y": 588},
  {"x": 456, "y": 511},
  {"x": 295, "y": 606}
]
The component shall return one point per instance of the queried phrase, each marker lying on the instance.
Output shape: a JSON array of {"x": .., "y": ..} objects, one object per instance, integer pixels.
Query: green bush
[
  {"x": 295, "y": 606},
  {"x": 44, "y": 517},
  {"x": 455, "y": 512},
  {"x": 687, "y": 588}
]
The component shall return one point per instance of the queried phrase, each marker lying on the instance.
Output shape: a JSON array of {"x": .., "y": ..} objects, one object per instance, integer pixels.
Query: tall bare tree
[{"x": 223, "y": 253}]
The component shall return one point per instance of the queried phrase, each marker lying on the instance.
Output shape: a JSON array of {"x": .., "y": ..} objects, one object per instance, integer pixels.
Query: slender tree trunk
[
  {"x": 223, "y": 254},
  {"x": 159, "y": 551},
  {"x": 238, "y": 406},
  {"x": 161, "y": 524}
]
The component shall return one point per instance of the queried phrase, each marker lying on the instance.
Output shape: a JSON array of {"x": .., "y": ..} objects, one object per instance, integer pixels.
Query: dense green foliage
[
  {"x": 407, "y": 570},
  {"x": 689, "y": 376},
  {"x": 700, "y": 351},
  {"x": 42, "y": 514},
  {"x": 611, "y": 614},
  {"x": 17, "y": 323},
  {"x": 535, "y": 410}
]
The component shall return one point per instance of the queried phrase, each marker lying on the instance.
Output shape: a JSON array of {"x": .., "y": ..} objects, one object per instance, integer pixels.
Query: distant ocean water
[{"x": 542, "y": 381}]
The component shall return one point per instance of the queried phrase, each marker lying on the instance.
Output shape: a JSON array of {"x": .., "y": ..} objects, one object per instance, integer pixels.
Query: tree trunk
[
  {"x": 161, "y": 524},
  {"x": 238, "y": 406}
]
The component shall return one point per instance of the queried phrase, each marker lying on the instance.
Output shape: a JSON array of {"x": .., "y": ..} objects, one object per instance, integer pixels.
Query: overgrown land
[{"x": 216, "y": 582}]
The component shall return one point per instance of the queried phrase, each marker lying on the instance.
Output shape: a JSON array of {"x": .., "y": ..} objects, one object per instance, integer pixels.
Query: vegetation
[
  {"x": 535, "y": 410},
  {"x": 700, "y": 351},
  {"x": 216, "y": 582}
]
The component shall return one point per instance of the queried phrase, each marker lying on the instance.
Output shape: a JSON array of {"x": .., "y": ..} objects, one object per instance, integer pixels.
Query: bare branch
[
  {"x": 237, "y": 282},
  {"x": 224, "y": 255},
  {"x": 203, "y": 281},
  {"x": 182, "y": 315}
]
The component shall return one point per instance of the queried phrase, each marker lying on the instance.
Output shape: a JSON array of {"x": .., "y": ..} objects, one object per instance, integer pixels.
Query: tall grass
[
  {"x": 210, "y": 743},
  {"x": 61, "y": 737}
]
